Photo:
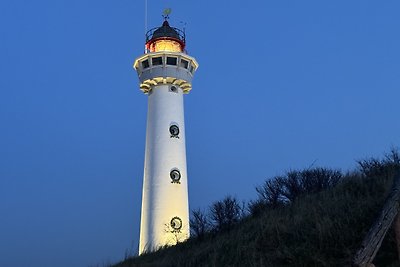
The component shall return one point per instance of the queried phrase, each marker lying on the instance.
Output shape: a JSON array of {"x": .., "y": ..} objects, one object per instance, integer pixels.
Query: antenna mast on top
[{"x": 145, "y": 17}]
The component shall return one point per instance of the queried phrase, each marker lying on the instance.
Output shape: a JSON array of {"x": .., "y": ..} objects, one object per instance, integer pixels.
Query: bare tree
[
  {"x": 292, "y": 187},
  {"x": 270, "y": 192},
  {"x": 318, "y": 179},
  {"x": 199, "y": 223},
  {"x": 225, "y": 213},
  {"x": 393, "y": 157},
  {"x": 257, "y": 207},
  {"x": 283, "y": 189},
  {"x": 372, "y": 167}
]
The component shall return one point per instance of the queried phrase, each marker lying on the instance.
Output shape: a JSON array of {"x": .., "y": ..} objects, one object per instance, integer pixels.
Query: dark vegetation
[{"x": 313, "y": 217}]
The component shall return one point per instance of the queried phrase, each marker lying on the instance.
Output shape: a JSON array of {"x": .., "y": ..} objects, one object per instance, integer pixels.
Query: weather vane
[{"x": 166, "y": 13}]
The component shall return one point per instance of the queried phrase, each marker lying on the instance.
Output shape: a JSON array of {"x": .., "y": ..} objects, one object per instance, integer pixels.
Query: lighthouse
[{"x": 165, "y": 73}]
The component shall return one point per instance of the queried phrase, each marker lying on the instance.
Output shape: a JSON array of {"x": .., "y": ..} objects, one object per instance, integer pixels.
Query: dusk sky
[{"x": 281, "y": 85}]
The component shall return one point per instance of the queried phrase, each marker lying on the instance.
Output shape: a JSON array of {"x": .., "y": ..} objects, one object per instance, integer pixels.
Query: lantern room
[
  {"x": 165, "y": 60},
  {"x": 165, "y": 38}
]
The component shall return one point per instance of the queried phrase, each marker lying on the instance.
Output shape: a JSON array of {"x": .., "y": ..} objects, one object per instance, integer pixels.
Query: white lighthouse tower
[{"x": 165, "y": 73}]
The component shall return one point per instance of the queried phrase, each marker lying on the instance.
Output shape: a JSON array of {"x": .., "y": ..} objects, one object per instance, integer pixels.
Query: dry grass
[{"x": 319, "y": 229}]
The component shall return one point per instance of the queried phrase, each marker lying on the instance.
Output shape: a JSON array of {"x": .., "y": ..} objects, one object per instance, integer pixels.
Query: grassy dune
[{"x": 315, "y": 229}]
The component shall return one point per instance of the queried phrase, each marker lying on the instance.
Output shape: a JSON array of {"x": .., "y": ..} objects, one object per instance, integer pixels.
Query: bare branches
[
  {"x": 282, "y": 190},
  {"x": 199, "y": 223},
  {"x": 225, "y": 213}
]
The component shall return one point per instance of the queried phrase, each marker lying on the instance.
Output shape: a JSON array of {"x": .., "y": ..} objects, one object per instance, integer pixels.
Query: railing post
[{"x": 373, "y": 240}]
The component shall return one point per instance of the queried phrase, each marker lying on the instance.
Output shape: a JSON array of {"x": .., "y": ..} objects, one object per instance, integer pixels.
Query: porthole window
[
  {"x": 184, "y": 63},
  {"x": 175, "y": 176},
  {"x": 176, "y": 224},
  {"x": 173, "y": 89},
  {"x": 172, "y": 61},
  {"x": 145, "y": 64},
  {"x": 174, "y": 131},
  {"x": 156, "y": 61}
]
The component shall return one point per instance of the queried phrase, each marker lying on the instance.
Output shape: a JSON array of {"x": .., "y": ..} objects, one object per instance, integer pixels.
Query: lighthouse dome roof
[{"x": 165, "y": 31}]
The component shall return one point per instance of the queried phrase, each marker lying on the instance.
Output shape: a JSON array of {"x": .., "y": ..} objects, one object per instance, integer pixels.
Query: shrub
[
  {"x": 393, "y": 157},
  {"x": 371, "y": 167},
  {"x": 318, "y": 179},
  {"x": 270, "y": 193},
  {"x": 292, "y": 186},
  {"x": 257, "y": 207},
  {"x": 225, "y": 213},
  {"x": 199, "y": 223},
  {"x": 285, "y": 189}
]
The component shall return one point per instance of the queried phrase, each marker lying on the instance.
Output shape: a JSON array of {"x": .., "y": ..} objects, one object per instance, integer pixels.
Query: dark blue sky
[{"x": 281, "y": 85}]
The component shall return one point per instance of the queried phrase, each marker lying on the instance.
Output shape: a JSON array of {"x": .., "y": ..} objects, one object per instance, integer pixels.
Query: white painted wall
[{"x": 161, "y": 199}]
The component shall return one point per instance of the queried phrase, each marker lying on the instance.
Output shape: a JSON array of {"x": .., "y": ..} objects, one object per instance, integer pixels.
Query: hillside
[{"x": 323, "y": 228}]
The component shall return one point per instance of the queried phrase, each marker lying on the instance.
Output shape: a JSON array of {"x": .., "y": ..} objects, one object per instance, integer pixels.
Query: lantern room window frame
[
  {"x": 157, "y": 61},
  {"x": 171, "y": 61},
  {"x": 182, "y": 61}
]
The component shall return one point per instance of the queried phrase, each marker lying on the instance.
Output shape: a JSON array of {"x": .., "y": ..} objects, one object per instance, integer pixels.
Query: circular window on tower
[
  {"x": 173, "y": 89},
  {"x": 176, "y": 224},
  {"x": 175, "y": 176},
  {"x": 174, "y": 131}
]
